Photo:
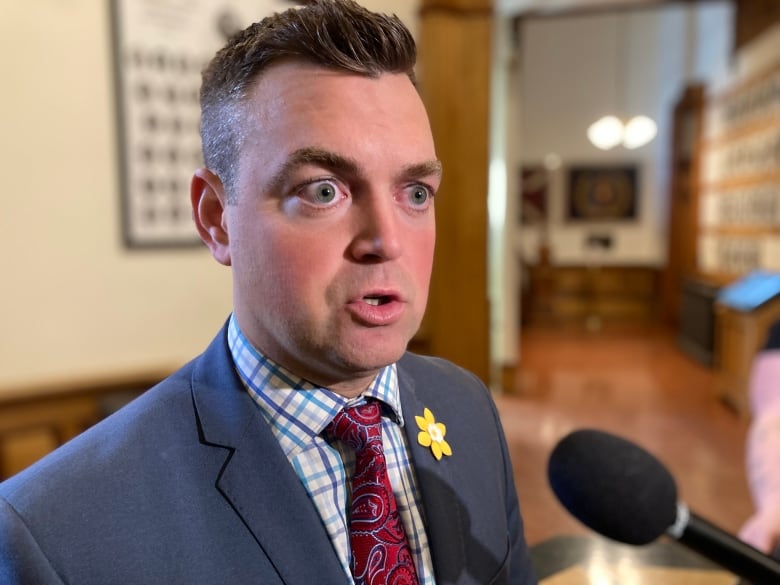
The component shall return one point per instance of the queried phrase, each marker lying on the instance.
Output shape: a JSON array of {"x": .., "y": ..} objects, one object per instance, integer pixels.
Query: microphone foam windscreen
[{"x": 613, "y": 486}]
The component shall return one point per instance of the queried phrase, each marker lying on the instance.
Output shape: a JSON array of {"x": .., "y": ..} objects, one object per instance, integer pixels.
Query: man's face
[{"x": 331, "y": 236}]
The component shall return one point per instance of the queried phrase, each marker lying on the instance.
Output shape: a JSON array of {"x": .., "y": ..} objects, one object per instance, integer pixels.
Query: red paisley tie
[{"x": 380, "y": 552}]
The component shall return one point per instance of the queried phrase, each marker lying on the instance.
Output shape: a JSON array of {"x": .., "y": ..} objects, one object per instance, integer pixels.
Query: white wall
[
  {"x": 566, "y": 81},
  {"x": 75, "y": 304}
]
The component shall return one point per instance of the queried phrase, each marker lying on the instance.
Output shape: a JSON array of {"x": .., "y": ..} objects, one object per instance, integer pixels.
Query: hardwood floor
[{"x": 636, "y": 384}]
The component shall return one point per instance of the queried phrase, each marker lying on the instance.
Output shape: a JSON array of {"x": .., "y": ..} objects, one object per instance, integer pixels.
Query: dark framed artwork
[
  {"x": 602, "y": 193},
  {"x": 534, "y": 187},
  {"x": 159, "y": 50}
]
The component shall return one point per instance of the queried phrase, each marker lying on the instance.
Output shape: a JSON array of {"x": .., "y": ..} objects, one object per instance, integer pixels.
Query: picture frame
[
  {"x": 159, "y": 50},
  {"x": 602, "y": 193},
  {"x": 534, "y": 194}
]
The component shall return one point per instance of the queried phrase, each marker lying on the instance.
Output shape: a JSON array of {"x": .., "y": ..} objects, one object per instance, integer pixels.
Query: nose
[{"x": 378, "y": 230}]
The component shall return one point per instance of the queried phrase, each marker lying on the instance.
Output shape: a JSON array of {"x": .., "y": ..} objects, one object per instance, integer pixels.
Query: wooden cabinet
[
  {"x": 738, "y": 338},
  {"x": 739, "y": 199},
  {"x": 571, "y": 294},
  {"x": 683, "y": 201}
]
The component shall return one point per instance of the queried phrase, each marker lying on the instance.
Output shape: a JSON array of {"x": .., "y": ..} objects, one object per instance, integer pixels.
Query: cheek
[
  {"x": 421, "y": 253},
  {"x": 262, "y": 260},
  {"x": 299, "y": 265}
]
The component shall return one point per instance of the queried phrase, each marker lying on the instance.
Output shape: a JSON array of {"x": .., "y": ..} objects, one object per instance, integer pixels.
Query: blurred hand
[{"x": 762, "y": 530}]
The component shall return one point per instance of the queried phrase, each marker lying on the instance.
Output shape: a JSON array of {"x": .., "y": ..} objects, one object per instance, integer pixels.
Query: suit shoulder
[
  {"x": 436, "y": 379},
  {"x": 157, "y": 414},
  {"x": 431, "y": 369}
]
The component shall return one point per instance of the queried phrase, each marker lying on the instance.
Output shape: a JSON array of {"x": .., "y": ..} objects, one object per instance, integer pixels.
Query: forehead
[{"x": 294, "y": 96}]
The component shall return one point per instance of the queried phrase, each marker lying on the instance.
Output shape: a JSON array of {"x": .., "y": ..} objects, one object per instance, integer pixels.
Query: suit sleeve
[{"x": 22, "y": 562}]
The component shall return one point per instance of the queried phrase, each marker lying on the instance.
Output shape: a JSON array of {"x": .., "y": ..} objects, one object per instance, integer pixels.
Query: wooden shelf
[{"x": 574, "y": 293}]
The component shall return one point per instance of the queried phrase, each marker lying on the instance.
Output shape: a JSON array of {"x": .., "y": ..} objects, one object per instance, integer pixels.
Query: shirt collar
[{"x": 289, "y": 401}]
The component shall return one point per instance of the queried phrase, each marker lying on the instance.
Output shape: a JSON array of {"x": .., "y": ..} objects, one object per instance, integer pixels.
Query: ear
[{"x": 209, "y": 211}]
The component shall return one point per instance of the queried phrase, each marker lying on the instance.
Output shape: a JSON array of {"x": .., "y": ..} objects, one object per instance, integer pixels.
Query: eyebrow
[
  {"x": 424, "y": 169},
  {"x": 342, "y": 164}
]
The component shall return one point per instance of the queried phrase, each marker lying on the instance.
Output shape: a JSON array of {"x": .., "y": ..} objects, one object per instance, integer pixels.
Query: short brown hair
[{"x": 336, "y": 34}]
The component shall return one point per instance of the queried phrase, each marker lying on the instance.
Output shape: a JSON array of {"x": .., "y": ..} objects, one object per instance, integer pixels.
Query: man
[{"x": 318, "y": 193}]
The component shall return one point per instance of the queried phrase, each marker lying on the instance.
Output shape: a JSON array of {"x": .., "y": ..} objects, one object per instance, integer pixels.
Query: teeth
[{"x": 372, "y": 301}]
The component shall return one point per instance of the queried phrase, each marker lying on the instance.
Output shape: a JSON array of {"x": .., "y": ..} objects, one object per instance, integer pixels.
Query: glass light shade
[
  {"x": 606, "y": 132},
  {"x": 639, "y": 131}
]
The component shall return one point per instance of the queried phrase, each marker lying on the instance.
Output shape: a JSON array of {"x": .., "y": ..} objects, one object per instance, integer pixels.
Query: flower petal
[
  {"x": 442, "y": 428},
  {"x": 445, "y": 448},
  {"x": 424, "y": 439},
  {"x": 421, "y": 422},
  {"x": 429, "y": 416},
  {"x": 436, "y": 448}
]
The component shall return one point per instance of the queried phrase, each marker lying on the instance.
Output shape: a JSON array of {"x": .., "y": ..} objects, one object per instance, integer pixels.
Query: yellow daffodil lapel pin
[{"x": 432, "y": 434}]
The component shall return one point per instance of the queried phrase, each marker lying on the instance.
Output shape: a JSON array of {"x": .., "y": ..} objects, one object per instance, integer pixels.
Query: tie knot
[{"x": 358, "y": 426}]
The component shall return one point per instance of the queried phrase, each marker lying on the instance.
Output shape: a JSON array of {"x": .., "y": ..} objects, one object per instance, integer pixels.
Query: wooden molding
[{"x": 454, "y": 71}]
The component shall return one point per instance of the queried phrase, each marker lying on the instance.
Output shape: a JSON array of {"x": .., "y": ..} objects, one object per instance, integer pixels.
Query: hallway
[{"x": 636, "y": 384}]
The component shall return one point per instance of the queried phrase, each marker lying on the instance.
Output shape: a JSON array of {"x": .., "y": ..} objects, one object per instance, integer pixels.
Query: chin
[
  {"x": 368, "y": 359},
  {"x": 371, "y": 349}
]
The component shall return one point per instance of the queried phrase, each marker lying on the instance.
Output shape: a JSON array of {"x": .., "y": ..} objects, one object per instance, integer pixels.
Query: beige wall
[{"x": 74, "y": 303}]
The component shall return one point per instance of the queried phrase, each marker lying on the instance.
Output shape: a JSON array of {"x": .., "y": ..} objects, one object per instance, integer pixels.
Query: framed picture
[
  {"x": 160, "y": 48},
  {"x": 534, "y": 186},
  {"x": 607, "y": 193}
]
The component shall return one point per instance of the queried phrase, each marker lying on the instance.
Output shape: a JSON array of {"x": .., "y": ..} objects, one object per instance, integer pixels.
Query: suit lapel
[
  {"x": 460, "y": 517},
  {"x": 444, "y": 523},
  {"x": 257, "y": 479}
]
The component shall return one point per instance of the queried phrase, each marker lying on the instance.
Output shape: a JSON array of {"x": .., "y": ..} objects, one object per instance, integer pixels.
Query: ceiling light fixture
[{"x": 609, "y": 131}]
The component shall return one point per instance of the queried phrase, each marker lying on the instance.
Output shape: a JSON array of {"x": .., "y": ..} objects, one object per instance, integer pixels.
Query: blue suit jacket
[{"x": 188, "y": 485}]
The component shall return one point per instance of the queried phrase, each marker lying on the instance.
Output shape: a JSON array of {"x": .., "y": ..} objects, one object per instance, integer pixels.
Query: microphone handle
[
  {"x": 728, "y": 551},
  {"x": 775, "y": 555}
]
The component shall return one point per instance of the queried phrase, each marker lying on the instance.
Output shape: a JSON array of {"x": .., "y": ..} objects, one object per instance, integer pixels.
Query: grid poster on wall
[{"x": 160, "y": 48}]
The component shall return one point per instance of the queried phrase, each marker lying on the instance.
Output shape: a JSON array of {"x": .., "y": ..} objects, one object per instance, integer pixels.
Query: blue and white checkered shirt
[{"x": 298, "y": 413}]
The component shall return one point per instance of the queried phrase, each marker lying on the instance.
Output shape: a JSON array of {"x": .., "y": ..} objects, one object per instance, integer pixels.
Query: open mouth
[{"x": 376, "y": 301}]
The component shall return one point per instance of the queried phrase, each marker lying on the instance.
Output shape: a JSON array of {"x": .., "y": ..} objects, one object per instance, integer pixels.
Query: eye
[
  {"x": 419, "y": 195},
  {"x": 324, "y": 192}
]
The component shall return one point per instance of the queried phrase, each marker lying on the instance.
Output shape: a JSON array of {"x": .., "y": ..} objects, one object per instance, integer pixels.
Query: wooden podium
[{"x": 740, "y": 332}]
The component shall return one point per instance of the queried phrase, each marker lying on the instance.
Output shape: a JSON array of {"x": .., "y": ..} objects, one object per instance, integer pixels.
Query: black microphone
[{"x": 621, "y": 491}]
